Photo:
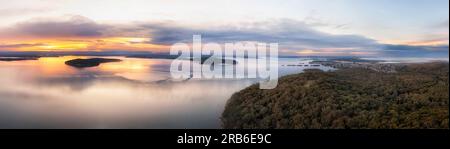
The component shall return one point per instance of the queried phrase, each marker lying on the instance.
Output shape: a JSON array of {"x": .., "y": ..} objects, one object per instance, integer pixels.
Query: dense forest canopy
[{"x": 416, "y": 96}]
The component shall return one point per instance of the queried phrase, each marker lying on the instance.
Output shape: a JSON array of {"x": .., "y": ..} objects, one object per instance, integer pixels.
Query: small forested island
[
  {"x": 415, "y": 96},
  {"x": 91, "y": 62}
]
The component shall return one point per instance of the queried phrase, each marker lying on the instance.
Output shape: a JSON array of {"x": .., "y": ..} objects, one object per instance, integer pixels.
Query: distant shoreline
[
  {"x": 8, "y": 59},
  {"x": 35, "y": 55}
]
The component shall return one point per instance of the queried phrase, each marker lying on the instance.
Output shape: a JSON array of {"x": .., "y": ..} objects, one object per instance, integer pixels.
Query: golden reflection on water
[
  {"x": 130, "y": 68},
  {"x": 46, "y": 93},
  {"x": 136, "y": 69},
  {"x": 133, "y": 93},
  {"x": 55, "y": 65}
]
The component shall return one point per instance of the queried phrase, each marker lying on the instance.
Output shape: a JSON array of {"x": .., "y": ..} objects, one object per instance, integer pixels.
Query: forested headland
[{"x": 415, "y": 96}]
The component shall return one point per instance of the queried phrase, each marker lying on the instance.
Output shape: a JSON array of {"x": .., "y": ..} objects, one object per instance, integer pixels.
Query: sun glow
[{"x": 63, "y": 44}]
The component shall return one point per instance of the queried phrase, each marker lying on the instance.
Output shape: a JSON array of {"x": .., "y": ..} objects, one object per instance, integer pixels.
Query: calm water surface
[{"x": 134, "y": 93}]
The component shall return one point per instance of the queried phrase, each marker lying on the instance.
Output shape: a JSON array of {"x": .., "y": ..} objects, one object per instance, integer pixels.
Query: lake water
[{"x": 134, "y": 93}]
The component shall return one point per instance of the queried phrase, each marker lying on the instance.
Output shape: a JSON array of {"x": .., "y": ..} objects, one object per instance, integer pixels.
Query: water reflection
[{"x": 46, "y": 93}]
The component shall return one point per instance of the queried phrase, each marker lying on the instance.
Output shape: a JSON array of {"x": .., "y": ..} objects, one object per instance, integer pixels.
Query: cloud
[
  {"x": 294, "y": 37},
  {"x": 286, "y": 32},
  {"x": 8, "y": 46},
  {"x": 291, "y": 35},
  {"x": 415, "y": 51},
  {"x": 71, "y": 26}
]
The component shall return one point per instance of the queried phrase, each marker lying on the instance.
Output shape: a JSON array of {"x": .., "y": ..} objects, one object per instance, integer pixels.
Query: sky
[{"x": 301, "y": 27}]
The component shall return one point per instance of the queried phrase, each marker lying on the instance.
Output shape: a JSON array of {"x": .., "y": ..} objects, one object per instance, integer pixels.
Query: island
[
  {"x": 91, "y": 62},
  {"x": 413, "y": 96},
  {"x": 224, "y": 61},
  {"x": 17, "y": 58}
]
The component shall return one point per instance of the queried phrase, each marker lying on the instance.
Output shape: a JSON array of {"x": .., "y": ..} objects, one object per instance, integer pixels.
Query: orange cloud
[
  {"x": 75, "y": 33},
  {"x": 435, "y": 42}
]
